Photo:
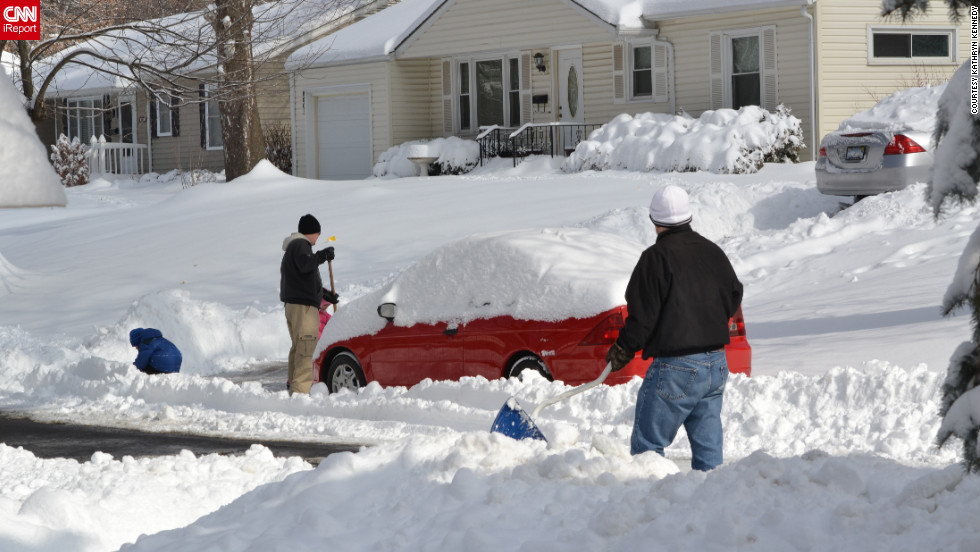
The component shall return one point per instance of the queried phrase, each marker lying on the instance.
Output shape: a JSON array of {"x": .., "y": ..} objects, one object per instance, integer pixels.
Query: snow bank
[
  {"x": 26, "y": 177},
  {"x": 721, "y": 141},
  {"x": 489, "y": 493}
]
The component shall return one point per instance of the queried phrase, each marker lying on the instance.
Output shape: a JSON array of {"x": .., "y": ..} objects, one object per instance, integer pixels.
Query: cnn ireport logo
[{"x": 20, "y": 19}]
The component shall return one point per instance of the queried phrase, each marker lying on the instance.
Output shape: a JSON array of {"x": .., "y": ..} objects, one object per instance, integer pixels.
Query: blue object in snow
[{"x": 514, "y": 422}]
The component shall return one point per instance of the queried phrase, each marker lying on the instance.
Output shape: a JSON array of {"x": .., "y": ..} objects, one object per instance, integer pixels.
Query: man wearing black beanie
[{"x": 301, "y": 289}]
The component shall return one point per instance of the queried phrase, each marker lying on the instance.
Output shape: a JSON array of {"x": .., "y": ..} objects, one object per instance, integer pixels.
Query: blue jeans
[{"x": 686, "y": 391}]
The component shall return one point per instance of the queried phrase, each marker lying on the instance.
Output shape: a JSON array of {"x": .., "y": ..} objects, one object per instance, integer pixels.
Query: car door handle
[{"x": 450, "y": 331}]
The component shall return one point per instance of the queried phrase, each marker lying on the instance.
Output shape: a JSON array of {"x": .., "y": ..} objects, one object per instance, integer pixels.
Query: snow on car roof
[
  {"x": 541, "y": 274},
  {"x": 909, "y": 109}
]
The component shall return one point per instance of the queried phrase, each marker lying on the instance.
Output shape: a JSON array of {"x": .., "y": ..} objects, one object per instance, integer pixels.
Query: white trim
[
  {"x": 207, "y": 121},
  {"x": 951, "y": 32},
  {"x": 156, "y": 104}
]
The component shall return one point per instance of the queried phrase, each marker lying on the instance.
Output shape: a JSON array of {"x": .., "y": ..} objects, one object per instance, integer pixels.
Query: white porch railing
[{"x": 115, "y": 158}]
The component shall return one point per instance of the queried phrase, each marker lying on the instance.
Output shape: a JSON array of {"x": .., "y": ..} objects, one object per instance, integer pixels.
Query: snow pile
[
  {"x": 721, "y": 141},
  {"x": 452, "y": 156},
  {"x": 103, "y": 503},
  {"x": 485, "y": 492},
  {"x": 26, "y": 177},
  {"x": 909, "y": 109}
]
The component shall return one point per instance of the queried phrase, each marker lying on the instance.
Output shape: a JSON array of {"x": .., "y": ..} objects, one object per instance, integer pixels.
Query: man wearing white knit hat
[{"x": 679, "y": 299}]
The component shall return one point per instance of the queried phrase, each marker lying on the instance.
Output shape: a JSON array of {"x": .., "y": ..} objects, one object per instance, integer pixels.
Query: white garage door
[{"x": 343, "y": 125}]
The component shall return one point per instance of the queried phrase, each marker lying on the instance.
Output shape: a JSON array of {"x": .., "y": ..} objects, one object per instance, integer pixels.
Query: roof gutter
[
  {"x": 731, "y": 8},
  {"x": 813, "y": 96}
]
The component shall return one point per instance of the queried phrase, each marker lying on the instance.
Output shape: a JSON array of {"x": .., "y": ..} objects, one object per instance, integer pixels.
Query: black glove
[
  {"x": 618, "y": 357},
  {"x": 325, "y": 254},
  {"x": 330, "y": 297}
]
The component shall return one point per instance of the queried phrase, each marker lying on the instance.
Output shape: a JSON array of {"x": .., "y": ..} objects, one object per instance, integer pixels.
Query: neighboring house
[
  {"x": 435, "y": 68},
  {"x": 161, "y": 132}
]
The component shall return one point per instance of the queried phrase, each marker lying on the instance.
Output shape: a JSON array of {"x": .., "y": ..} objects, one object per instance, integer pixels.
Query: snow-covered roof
[
  {"x": 277, "y": 25},
  {"x": 377, "y": 37}
]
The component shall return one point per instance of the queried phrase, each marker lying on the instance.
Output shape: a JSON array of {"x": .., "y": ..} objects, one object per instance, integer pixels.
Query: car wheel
[
  {"x": 345, "y": 373},
  {"x": 529, "y": 362}
]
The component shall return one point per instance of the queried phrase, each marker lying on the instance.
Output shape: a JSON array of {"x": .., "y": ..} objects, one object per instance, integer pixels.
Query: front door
[{"x": 571, "y": 102}]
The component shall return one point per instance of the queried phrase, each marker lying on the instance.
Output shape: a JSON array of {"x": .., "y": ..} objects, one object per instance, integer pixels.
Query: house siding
[
  {"x": 472, "y": 26},
  {"x": 319, "y": 81},
  {"x": 848, "y": 82},
  {"x": 184, "y": 152},
  {"x": 689, "y": 37}
]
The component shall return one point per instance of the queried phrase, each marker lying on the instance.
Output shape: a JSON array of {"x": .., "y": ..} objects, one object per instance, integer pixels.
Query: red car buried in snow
[{"x": 493, "y": 306}]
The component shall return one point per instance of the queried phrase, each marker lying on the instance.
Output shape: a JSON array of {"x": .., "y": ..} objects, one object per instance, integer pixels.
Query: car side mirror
[{"x": 387, "y": 311}]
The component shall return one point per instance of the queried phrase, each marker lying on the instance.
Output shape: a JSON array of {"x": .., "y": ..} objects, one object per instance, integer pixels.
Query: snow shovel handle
[
  {"x": 330, "y": 268},
  {"x": 576, "y": 391}
]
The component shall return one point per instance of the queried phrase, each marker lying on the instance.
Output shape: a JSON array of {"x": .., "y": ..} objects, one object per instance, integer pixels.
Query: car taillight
[
  {"x": 606, "y": 332},
  {"x": 902, "y": 144},
  {"x": 736, "y": 325}
]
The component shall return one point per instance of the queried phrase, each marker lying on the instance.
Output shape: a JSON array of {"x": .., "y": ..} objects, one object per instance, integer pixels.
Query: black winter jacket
[
  {"x": 299, "y": 272},
  {"x": 680, "y": 297}
]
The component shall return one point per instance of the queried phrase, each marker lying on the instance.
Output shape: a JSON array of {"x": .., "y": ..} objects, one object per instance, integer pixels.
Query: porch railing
[
  {"x": 532, "y": 139},
  {"x": 116, "y": 158}
]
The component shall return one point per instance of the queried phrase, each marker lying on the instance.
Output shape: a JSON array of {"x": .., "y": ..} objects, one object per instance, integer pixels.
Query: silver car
[{"x": 862, "y": 163}]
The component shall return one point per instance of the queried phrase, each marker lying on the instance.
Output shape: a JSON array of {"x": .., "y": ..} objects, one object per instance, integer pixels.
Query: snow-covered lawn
[{"x": 828, "y": 445}]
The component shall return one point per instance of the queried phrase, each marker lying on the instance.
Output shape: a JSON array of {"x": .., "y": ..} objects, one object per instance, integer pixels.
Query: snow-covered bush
[
  {"x": 720, "y": 141},
  {"x": 279, "y": 147},
  {"x": 68, "y": 159},
  {"x": 453, "y": 156}
]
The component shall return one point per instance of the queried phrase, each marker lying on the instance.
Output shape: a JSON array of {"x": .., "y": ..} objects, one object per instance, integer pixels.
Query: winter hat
[
  {"x": 308, "y": 225},
  {"x": 670, "y": 207},
  {"x": 136, "y": 336}
]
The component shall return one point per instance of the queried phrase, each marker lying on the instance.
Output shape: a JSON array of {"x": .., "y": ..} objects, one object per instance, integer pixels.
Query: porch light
[{"x": 539, "y": 62}]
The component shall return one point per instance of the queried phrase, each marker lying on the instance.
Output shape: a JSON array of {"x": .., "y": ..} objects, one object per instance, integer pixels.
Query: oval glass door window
[{"x": 572, "y": 91}]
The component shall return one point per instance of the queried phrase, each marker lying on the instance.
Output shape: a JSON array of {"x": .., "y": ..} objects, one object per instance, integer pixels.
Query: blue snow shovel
[{"x": 514, "y": 422}]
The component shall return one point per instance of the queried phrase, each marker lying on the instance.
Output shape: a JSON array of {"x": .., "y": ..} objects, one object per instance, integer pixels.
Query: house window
[
  {"x": 489, "y": 93},
  {"x": 84, "y": 119},
  {"x": 212, "y": 122},
  {"x": 464, "y": 97},
  {"x": 164, "y": 115},
  {"x": 746, "y": 74},
  {"x": 901, "y": 45},
  {"x": 642, "y": 72},
  {"x": 743, "y": 68}
]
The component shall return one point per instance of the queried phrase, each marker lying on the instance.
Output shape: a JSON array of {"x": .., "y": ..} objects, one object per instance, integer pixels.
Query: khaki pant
[{"x": 303, "y": 322}]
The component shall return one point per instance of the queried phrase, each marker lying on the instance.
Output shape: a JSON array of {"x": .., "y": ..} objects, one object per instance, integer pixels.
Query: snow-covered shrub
[
  {"x": 279, "y": 147},
  {"x": 453, "y": 156},
  {"x": 720, "y": 141},
  {"x": 68, "y": 159}
]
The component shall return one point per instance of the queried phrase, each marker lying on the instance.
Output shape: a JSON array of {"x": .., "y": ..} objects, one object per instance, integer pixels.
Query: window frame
[
  {"x": 72, "y": 131},
  {"x": 949, "y": 31},
  {"x": 208, "y": 100},
  {"x": 470, "y": 100},
  {"x": 631, "y": 95},
  {"x": 169, "y": 111}
]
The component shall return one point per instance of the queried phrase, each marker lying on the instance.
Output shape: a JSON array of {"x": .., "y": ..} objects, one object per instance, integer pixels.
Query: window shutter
[
  {"x": 619, "y": 73},
  {"x": 64, "y": 116},
  {"x": 202, "y": 95},
  {"x": 153, "y": 116},
  {"x": 175, "y": 115},
  {"x": 526, "y": 106},
  {"x": 716, "y": 71},
  {"x": 448, "y": 128},
  {"x": 661, "y": 72},
  {"x": 769, "y": 83}
]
